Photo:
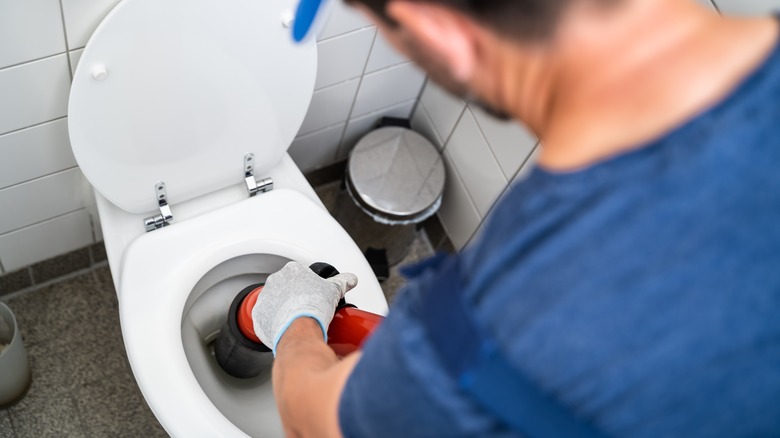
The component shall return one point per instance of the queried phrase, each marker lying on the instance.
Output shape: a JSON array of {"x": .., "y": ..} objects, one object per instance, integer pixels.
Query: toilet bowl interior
[{"x": 247, "y": 403}]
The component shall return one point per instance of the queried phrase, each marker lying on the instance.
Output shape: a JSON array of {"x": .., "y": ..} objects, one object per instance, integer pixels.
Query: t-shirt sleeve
[{"x": 398, "y": 387}]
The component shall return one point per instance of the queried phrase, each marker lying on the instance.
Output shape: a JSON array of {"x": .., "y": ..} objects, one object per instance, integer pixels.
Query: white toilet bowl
[{"x": 169, "y": 102}]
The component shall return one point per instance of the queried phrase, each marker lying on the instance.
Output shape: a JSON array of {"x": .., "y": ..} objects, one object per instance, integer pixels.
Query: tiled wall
[
  {"x": 484, "y": 156},
  {"x": 46, "y": 205},
  {"x": 360, "y": 80}
]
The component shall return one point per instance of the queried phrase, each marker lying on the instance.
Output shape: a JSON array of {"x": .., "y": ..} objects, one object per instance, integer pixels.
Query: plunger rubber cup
[
  {"x": 245, "y": 324},
  {"x": 240, "y": 352},
  {"x": 236, "y": 354}
]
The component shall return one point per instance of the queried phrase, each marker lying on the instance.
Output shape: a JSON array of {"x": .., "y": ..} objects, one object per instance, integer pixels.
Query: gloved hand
[{"x": 294, "y": 292}]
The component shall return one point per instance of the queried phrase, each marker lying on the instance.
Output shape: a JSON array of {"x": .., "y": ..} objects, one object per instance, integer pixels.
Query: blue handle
[{"x": 305, "y": 17}]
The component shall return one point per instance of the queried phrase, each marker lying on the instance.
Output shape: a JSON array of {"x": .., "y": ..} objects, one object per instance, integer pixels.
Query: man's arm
[{"x": 308, "y": 380}]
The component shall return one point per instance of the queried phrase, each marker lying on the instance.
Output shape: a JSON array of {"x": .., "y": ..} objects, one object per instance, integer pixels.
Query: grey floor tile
[
  {"x": 106, "y": 284},
  {"x": 61, "y": 265},
  {"x": 42, "y": 414},
  {"x": 114, "y": 407},
  {"x": 328, "y": 194},
  {"x": 6, "y": 429},
  {"x": 419, "y": 250},
  {"x": 65, "y": 364},
  {"x": 404, "y": 244},
  {"x": 65, "y": 309},
  {"x": 363, "y": 229},
  {"x": 98, "y": 251},
  {"x": 15, "y": 281}
]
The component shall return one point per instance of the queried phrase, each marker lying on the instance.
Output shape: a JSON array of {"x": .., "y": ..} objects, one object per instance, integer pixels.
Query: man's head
[
  {"x": 524, "y": 19},
  {"x": 465, "y": 45}
]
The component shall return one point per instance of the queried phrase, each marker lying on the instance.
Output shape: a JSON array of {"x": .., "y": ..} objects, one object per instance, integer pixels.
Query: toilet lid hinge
[
  {"x": 253, "y": 185},
  {"x": 165, "y": 217}
]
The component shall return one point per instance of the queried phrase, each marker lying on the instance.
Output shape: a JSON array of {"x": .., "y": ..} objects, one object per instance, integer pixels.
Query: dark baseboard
[
  {"x": 328, "y": 174},
  {"x": 53, "y": 268},
  {"x": 432, "y": 226}
]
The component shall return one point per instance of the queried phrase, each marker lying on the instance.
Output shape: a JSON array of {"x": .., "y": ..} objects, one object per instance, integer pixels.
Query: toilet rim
[{"x": 151, "y": 321}]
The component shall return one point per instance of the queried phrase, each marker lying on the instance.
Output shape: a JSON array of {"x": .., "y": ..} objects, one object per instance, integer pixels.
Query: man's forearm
[{"x": 308, "y": 379}]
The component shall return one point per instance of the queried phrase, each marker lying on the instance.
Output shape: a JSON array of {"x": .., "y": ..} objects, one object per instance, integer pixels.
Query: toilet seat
[
  {"x": 180, "y": 91},
  {"x": 161, "y": 269}
]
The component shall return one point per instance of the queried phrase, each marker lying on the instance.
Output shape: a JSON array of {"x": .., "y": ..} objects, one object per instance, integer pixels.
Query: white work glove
[{"x": 295, "y": 292}]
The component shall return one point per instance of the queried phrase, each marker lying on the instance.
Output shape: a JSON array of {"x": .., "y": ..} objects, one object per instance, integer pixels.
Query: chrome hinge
[
  {"x": 165, "y": 217},
  {"x": 253, "y": 186}
]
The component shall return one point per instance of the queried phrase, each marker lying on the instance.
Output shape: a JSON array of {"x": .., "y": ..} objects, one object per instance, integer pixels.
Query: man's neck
[{"x": 608, "y": 87}]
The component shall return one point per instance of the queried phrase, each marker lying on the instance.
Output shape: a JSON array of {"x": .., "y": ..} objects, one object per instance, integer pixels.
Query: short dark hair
[{"x": 526, "y": 19}]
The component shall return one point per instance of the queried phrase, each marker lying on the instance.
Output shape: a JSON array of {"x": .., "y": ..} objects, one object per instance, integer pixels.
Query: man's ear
[{"x": 440, "y": 30}]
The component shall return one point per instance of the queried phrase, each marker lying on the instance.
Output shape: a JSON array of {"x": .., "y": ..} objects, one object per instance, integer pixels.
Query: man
[{"x": 630, "y": 285}]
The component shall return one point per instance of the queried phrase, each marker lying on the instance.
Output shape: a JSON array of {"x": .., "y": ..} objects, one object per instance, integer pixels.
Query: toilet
[{"x": 180, "y": 116}]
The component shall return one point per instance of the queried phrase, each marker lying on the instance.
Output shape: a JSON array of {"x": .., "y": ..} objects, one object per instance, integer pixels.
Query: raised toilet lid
[{"x": 179, "y": 91}]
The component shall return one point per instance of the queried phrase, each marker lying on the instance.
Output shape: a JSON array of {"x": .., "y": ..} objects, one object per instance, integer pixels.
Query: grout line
[
  {"x": 419, "y": 96},
  {"x": 503, "y": 192},
  {"x": 43, "y": 221},
  {"x": 439, "y": 141},
  {"x": 65, "y": 35},
  {"x": 490, "y": 146},
  {"x": 452, "y": 132},
  {"x": 327, "y": 87},
  {"x": 2, "y": 270},
  {"x": 354, "y": 99},
  {"x": 715, "y": 5},
  {"x": 30, "y": 61},
  {"x": 53, "y": 281},
  {"x": 39, "y": 177},
  {"x": 35, "y": 125},
  {"x": 31, "y": 274},
  {"x": 345, "y": 33},
  {"x": 363, "y": 74},
  {"x": 94, "y": 234},
  {"x": 468, "y": 196}
]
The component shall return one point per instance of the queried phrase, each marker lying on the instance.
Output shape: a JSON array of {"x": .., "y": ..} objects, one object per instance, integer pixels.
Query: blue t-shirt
[{"x": 642, "y": 292}]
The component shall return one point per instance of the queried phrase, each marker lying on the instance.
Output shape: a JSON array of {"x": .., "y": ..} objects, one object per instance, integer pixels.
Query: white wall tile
[
  {"x": 443, "y": 108},
  {"x": 75, "y": 57},
  {"x": 528, "y": 166},
  {"x": 329, "y": 106},
  {"x": 472, "y": 157},
  {"x": 388, "y": 87},
  {"x": 748, "y": 7},
  {"x": 707, "y": 3},
  {"x": 343, "y": 57},
  {"x": 458, "y": 214},
  {"x": 34, "y": 152},
  {"x": 360, "y": 126},
  {"x": 45, "y": 240},
  {"x": 421, "y": 122},
  {"x": 383, "y": 55},
  {"x": 82, "y": 18},
  {"x": 510, "y": 142},
  {"x": 97, "y": 229},
  {"x": 316, "y": 149},
  {"x": 42, "y": 199},
  {"x": 343, "y": 19},
  {"x": 33, "y": 93},
  {"x": 29, "y": 29}
]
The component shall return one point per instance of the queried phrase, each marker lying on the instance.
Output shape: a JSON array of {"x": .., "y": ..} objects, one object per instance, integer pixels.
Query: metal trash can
[
  {"x": 395, "y": 176},
  {"x": 14, "y": 366}
]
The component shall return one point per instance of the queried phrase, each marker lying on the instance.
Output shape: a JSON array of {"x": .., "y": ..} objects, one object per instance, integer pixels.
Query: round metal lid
[
  {"x": 179, "y": 91},
  {"x": 396, "y": 175}
]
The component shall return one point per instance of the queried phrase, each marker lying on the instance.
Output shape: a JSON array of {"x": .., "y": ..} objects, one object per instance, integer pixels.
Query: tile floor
[{"x": 82, "y": 384}]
